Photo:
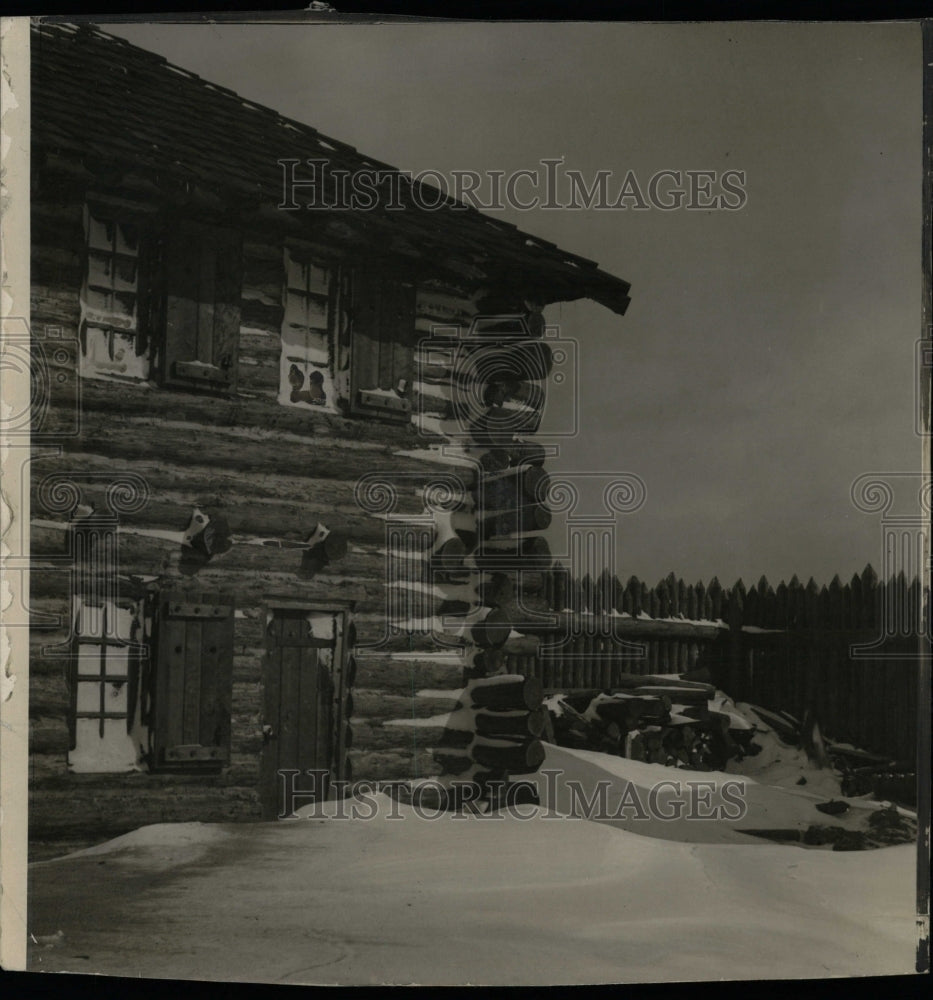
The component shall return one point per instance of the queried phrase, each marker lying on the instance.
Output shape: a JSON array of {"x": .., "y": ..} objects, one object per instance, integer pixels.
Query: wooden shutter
[
  {"x": 193, "y": 681},
  {"x": 382, "y": 345},
  {"x": 203, "y": 273}
]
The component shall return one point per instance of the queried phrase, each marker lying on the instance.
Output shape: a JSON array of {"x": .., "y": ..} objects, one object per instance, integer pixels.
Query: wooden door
[{"x": 303, "y": 685}]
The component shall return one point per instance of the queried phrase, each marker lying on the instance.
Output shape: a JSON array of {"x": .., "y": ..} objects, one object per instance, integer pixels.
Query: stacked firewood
[{"x": 659, "y": 720}]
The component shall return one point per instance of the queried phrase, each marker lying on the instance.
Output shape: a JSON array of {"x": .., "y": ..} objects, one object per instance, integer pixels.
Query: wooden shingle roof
[{"x": 111, "y": 105}]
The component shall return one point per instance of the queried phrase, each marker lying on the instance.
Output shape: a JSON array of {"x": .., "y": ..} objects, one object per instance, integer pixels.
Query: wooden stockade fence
[{"x": 786, "y": 648}]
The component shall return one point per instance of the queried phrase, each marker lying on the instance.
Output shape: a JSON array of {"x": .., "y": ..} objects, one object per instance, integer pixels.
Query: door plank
[
  {"x": 306, "y": 756},
  {"x": 191, "y": 686}
]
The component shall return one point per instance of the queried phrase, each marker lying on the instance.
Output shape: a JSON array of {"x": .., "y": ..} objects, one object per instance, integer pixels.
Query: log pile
[{"x": 659, "y": 720}]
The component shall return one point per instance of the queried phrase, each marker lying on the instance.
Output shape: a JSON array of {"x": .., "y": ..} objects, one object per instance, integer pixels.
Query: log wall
[{"x": 271, "y": 472}]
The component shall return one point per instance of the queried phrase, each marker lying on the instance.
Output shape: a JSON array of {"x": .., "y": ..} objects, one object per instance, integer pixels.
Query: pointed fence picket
[{"x": 787, "y": 648}]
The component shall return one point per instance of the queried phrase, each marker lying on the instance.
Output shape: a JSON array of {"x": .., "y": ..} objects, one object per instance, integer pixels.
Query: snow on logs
[
  {"x": 671, "y": 724},
  {"x": 493, "y": 391},
  {"x": 504, "y": 714}
]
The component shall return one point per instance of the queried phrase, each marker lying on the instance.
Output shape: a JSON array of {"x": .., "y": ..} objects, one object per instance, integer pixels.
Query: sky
[{"x": 767, "y": 357}]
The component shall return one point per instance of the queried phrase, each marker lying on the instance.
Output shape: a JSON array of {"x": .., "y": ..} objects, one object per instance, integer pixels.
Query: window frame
[
  {"x": 313, "y": 257},
  {"x": 155, "y": 286},
  {"x": 118, "y": 212}
]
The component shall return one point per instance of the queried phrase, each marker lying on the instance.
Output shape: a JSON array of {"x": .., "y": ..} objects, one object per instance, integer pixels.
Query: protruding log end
[
  {"x": 516, "y": 758},
  {"x": 493, "y": 630},
  {"x": 507, "y": 691}
]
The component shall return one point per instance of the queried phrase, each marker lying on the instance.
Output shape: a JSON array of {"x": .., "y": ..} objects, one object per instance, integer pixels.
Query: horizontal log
[
  {"x": 505, "y": 692},
  {"x": 53, "y": 306},
  {"x": 526, "y": 453},
  {"x": 635, "y": 628},
  {"x": 453, "y": 762},
  {"x": 494, "y": 460},
  {"x": 516, "y": 758},
  {"x": 247, "y": 569},
  {"x": 497, "y": 427},
  {"x": 511, "y": 724},
  {"x": 512, "y": 554},
  {"x": 530, "y": 617},
  {"x": 628, "y": 712},
  {"x": 395, "y": 676},
  {"x": 514, "y": 488},
  {"x": 368, "y": 736},
  {"x": 449, "y": 556},
  {"x": 259, "y": 378},
  {"x": 522, "y": 645},
  {"x": 496, "y": 590},
  {"x": 371, "y": 703},
  {"x": 286, "y": 519},
  {"x": 392, "y": 765},
  {"x": 285, "y": 492},
  {"x": 185, "y": 443},
  {"x": 506, "y": 360},
  {"x": 257, "y": 416}
]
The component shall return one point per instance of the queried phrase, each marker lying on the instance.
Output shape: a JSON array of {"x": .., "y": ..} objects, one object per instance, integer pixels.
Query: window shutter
[
  {"x": 382, "y": 345},
  {"x": 193, "y": 681},
  {"x": 203, "y": 273}
]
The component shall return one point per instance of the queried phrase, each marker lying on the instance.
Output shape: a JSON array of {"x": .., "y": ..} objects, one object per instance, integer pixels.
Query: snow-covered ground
[{"x": 530, "y": 899}]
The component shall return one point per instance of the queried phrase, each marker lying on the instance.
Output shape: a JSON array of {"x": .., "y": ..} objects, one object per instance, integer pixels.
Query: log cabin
[{"x": 283, "y": 455}]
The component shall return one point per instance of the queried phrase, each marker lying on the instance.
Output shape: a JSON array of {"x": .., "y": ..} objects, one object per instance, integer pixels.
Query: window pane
[
  {"x": 124, "y": 310},
  {"x": 121, "y": 626},
  {"x": 115, "y": 697},
  {"x": 89, "y": 696},
  {"x": 100, "y": 269},
  {"x": 97, "y": 303},
  {"x": 297, "y": 274},
  {"x": 127, "y": 238},
  {"x": 90, "y": 619},
  {"x": 88, "y": 658},
  {"x": 100, "y": 233},
  {"x": 97, "y": 346},
  {"x": 124, "y": 278},
  {"x": 317, "y": 313},
  {"x": 296, "y": 309},
  {"x": 302, "y": 345},
  {"x": 318, "y": 279},
  {"x": 115, "y": 752},
  {"x": 117, "y": 661}
]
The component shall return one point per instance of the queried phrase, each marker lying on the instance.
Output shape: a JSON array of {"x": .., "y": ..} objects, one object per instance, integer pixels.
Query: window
[
  {"x": 159, "y": 300},
  {"x": 347, "y": 338},
  {"x": 306, "y": 367},
  {"x": 113, "y": 345},
  {"x": 382, "y": 344},
  {"x": 104, "y": 681}
]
